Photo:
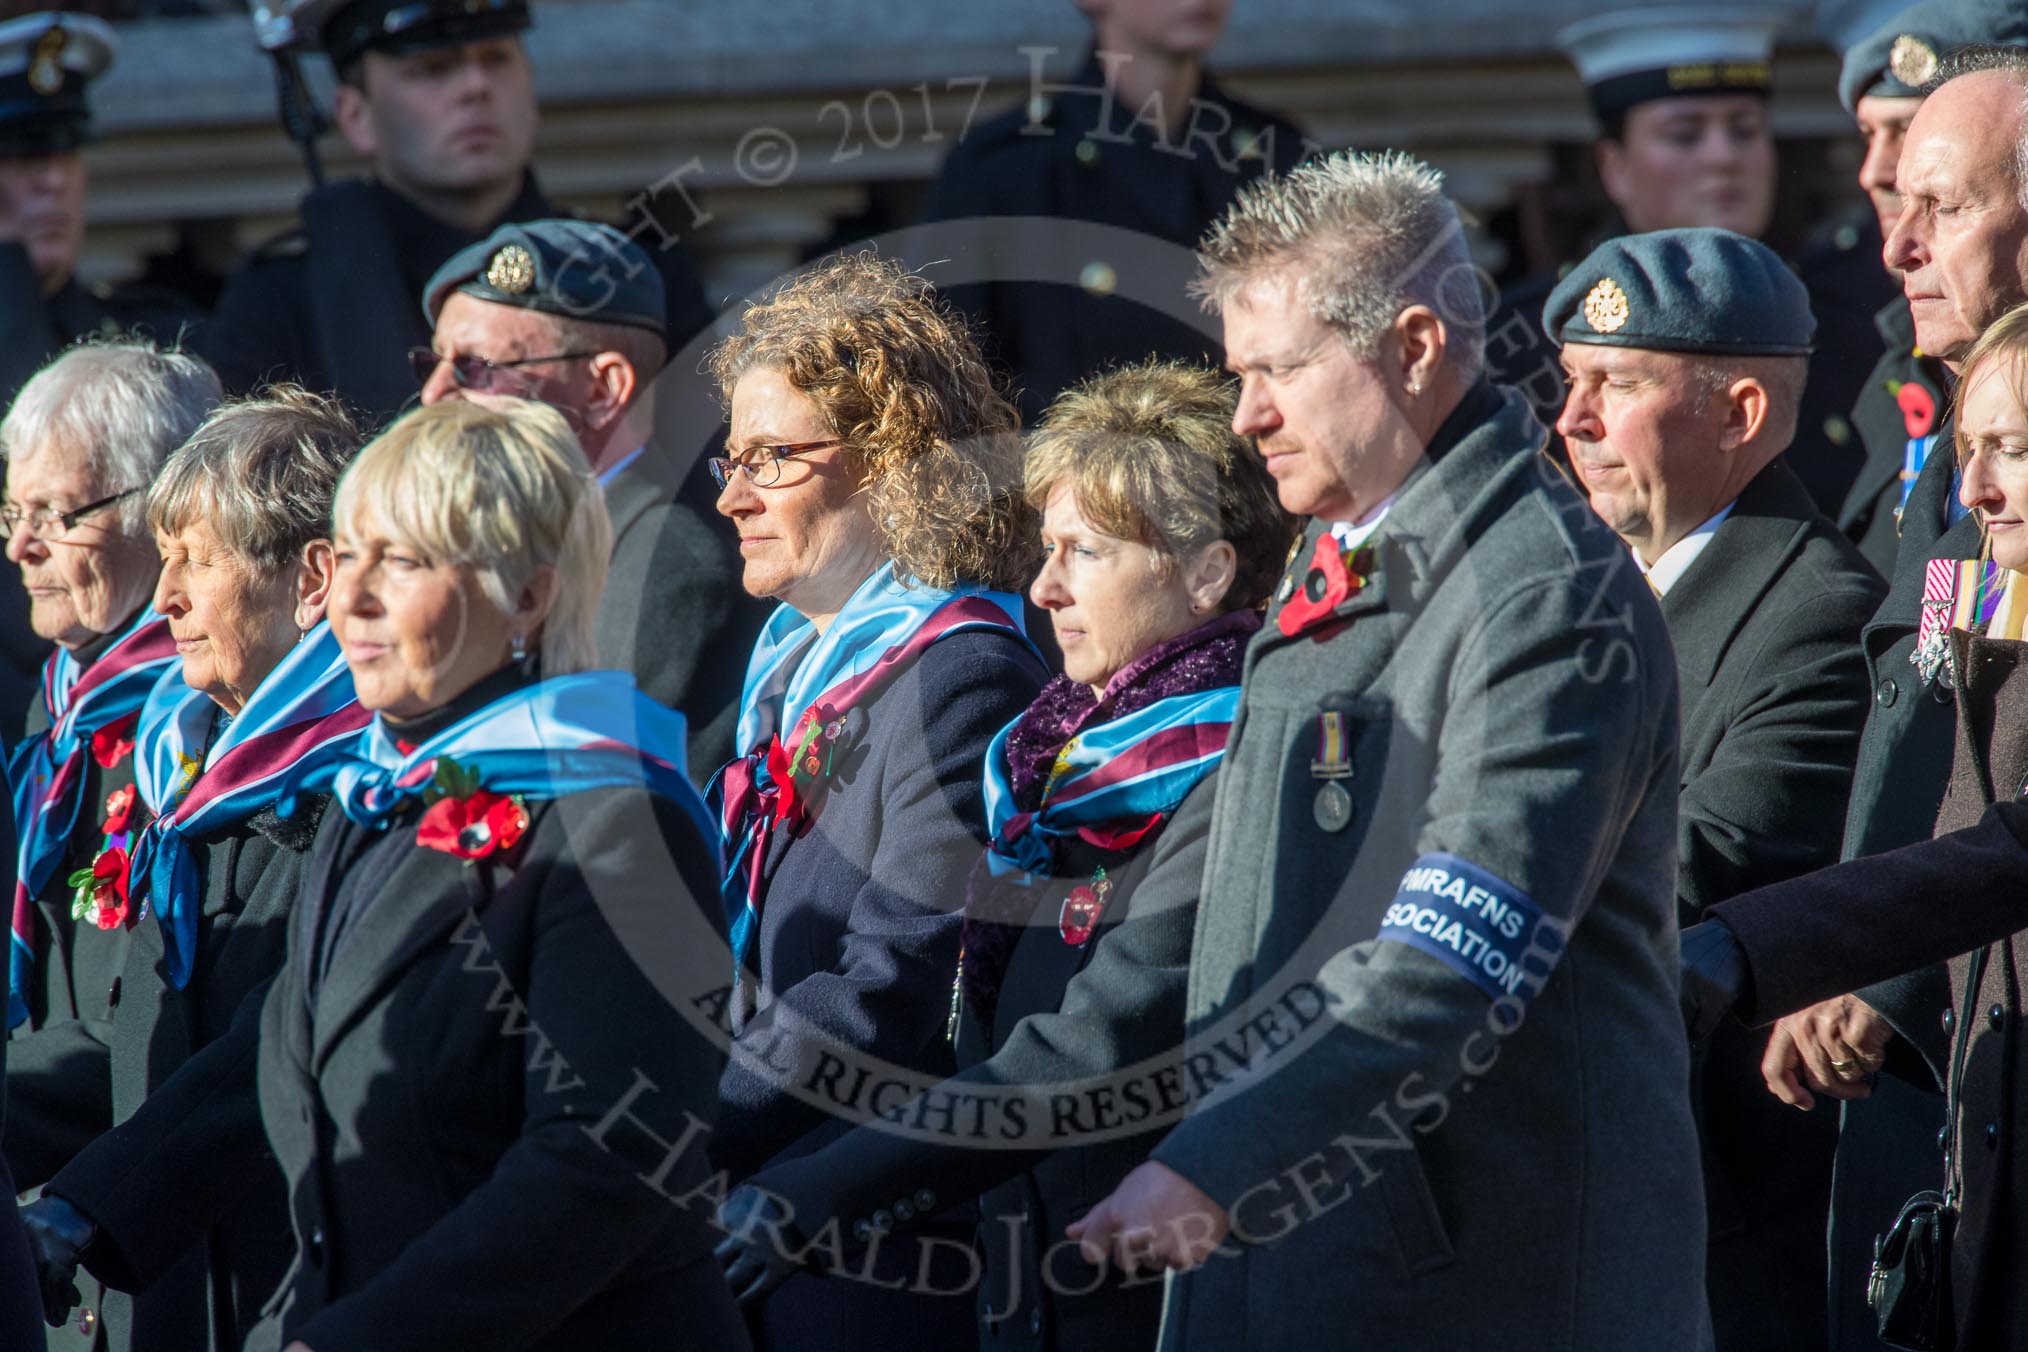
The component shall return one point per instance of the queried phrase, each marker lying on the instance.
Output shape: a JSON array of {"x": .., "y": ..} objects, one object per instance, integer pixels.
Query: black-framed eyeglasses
[
  {"x": 762, "y": 465},
  {"x": 40, "y": 519},
  {"x": 476, "y": 373}
]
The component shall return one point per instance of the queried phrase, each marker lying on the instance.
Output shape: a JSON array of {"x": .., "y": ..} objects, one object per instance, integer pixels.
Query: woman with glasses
[
  {"x": 872, "y": 472},
  {"x": 82, "y": 442}
]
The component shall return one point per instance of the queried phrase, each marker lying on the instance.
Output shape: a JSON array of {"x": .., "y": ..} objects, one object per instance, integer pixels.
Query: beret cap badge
[
  {"x": 512, "y": 271},
  {"x": 1605, "y": 306},
  {"x": 1912, "y": 61},
  {"x": 45, "y": 70}
]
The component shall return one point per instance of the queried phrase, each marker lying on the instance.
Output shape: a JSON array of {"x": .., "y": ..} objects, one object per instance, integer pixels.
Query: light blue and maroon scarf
[
  {"x": 200, "y": 773},
  {"x": 565, "y": 735},
  {"x": 93, "y": 712},
  {"x": 1095, "y": 777},
  {"x": 801, "y": 690}
]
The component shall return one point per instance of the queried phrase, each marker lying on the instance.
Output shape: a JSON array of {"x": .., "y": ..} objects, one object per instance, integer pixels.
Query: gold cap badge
[
  {"x": 45, "y": 69},
  {"x": 1605, "y": 306},
  {"x": 512, "y": 270},
  {"x": 1912, "y": 61}
]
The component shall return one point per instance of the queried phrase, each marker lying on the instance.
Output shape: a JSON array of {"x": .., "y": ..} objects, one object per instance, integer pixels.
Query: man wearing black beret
[
  {"x": 1686, "y": 352},
  {"x": 439, "y": 96},
  {"x": 572, "y": 314},
  {"x": 1681, "y": 94}
]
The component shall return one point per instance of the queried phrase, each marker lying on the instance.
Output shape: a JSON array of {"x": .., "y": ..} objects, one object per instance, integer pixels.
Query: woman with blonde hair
[
  {"x": 873, "y": 474},
  {"x": 1957, "y": 896},
  {"x": 1162, "y": 538},
  {"x": 478, "y": 1069}
]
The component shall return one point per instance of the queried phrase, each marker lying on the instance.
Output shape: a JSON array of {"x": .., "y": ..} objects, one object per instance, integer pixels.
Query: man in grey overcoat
[{"x": 1439, "y": 1085}]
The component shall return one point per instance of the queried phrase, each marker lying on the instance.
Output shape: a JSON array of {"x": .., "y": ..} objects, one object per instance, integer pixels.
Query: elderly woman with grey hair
[
  {"x": 83, "y": 440},
  {"x": 241, "y": 516}
]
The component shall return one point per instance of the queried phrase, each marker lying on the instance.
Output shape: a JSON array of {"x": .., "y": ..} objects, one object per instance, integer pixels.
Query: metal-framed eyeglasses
[
  {"x": 40, "y": 519},
  {"x": 762, "y": 465},
  {"x": 476, "y": 373}
]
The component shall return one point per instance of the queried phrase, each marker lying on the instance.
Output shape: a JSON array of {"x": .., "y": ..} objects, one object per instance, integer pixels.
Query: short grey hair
[
  {"x": 1363, "y": 236},
  {"x": 126, "y": 404},
  {"x": 1984, "y": 56},
  {"x": 261, "y": 473},
  {"x": 1782, "y": 377}
]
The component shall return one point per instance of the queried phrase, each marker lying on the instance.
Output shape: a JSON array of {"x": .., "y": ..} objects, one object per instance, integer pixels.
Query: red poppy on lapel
[
  {"x": 1328, "y": 584},
  {"x": 112, "y": 743},
  {"x": 474, "y": 826},
  {"x": 99, "y": 893},
  {"x": 119, "y": 810}
]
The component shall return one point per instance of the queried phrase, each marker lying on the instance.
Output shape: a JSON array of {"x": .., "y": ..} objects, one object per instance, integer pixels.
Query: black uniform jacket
[
  {"x": 1765, "y": 624},
  {"x": 337, "y": 303},
  {"x": 1093, "y": 270}
]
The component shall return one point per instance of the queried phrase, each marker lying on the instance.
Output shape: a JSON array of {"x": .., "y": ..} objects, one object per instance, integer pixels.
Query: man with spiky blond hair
[{"x": 1437, "y": 1080}]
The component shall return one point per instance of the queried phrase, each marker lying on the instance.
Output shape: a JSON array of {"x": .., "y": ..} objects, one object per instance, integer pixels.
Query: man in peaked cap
[
  {"x": 47, "y": 63},
  {"x": 1681, "y": 95},
  {"x": 574, "y": 315},
  {"x": 1686, "y": 352},
  {"x": 438, "y": 95}
]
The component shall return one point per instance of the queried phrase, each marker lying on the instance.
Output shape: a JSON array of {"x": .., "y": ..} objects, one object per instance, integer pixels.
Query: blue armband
[{"x": 1487, "y": 930}]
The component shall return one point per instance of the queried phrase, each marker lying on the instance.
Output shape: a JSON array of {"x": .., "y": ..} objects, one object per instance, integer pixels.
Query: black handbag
[{"x": 1909, "y": 1288}]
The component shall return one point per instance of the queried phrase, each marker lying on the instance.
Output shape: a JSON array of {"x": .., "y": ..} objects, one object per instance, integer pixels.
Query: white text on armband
[{"x": 1488, "y": 931}]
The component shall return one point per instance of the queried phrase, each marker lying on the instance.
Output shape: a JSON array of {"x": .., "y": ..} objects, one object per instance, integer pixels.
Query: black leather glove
[
  {"x": 761, "y": 1249},
  {"x": 58, "y": 1235},
  {"x": 1714, "y": 976}
]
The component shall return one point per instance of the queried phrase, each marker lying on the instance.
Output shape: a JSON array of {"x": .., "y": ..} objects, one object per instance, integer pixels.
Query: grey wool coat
[{"x": 1439, "y": 1078}]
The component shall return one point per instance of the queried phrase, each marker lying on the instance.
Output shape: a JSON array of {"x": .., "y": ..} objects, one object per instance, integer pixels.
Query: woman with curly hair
[{"x": 874, "y": 475}]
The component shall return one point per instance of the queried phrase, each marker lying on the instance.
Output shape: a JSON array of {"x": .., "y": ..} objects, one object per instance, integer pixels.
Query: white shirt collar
[
  {"x": 607, "y": 475},
  {"x": 1352, "y": 534},
  {"x": 1678, "y": 557}
]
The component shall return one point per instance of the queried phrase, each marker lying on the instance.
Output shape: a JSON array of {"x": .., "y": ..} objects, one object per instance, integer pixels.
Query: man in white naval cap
[{"x": 1681, "y": 94}]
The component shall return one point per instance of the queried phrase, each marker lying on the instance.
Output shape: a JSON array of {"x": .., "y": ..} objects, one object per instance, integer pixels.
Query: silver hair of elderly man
[
  {"x": 1365, "y": 236},
  {"x": 127, "y": 404}
]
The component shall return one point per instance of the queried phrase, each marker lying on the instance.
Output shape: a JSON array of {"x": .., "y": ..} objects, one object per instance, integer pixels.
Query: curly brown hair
[{"x": 898, "y": 376}]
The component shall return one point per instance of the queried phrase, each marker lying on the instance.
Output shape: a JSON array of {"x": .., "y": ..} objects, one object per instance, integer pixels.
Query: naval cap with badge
[
  {"x": 1900, "y": 58},
  {"x": 46, "y": 62},
  {"x": 1634, "y": 56},
  {"x": 571, "y": 269},
  {"x": 1698, "y": 290},
  {"x": 347, "y": 29}
]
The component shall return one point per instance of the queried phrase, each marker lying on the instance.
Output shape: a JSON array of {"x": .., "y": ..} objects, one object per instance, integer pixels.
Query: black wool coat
[
  {"x": 1765, "y": 624},
  {"x": 488, "y": 1094},
  {"x": 20, "y": 1303},
  {"x": 59, "y": 1066},
  {"x": 182, "y": 1275}
]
